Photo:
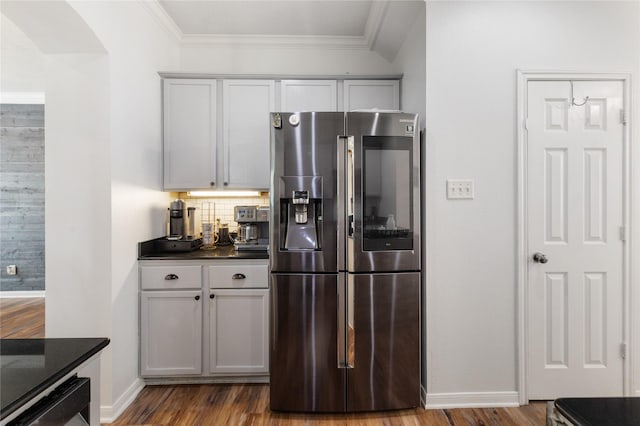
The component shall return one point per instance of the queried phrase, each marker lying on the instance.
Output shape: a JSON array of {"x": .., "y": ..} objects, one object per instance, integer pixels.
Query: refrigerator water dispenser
[{"x": 300, "y": 225}]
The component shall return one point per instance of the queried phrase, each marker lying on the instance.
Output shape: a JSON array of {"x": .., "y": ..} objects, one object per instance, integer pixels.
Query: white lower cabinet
[
  {"x": 239, "y": 331},
  {"x": 218, "y": 326},
  {"x": 171, "y": 333}
]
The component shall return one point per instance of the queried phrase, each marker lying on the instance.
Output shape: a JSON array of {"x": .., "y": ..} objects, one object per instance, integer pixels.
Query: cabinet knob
[
  {"x": 238, "y": 277},
  {"x": 212, "y": 183},
  {"x": 211, "y": 296},
  {"x": 197, "y": 297},
  {"x": 170, "y": 277},
  {"x": 226, "y": 184}
]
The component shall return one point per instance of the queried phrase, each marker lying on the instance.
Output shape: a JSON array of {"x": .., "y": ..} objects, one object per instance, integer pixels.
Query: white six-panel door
[{"x": 574, "y": 221}]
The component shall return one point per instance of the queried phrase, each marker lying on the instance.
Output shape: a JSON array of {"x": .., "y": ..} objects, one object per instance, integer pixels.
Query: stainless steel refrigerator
[{"x": 345, "y": 261}]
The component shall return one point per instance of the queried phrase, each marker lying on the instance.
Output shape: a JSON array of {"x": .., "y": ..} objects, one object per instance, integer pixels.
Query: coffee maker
[
  {"x": 253, "y": 227},
  {"x": 181, "y": 221}
]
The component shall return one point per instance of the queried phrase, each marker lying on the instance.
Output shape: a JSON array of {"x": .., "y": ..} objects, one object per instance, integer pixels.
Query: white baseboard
[
  {"x": 21, "y": 294},
  {"x": 472, "y": 400},
  {"x": 110, "y": 414}
]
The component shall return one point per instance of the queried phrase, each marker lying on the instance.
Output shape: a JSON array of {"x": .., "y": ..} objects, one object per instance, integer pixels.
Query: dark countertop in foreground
[
  {"x": 600, "y": 411},
  {"x": 29, "y": 366},
  {"x": 146, "y": 251}
]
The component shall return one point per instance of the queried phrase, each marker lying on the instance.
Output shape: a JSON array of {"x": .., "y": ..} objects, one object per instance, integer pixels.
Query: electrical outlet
[
  {"x": 460, "y": 189},
  {"x": 12, "y": 270}
]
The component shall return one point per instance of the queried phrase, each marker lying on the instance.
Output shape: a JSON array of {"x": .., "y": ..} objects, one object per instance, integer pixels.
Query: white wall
[
  {"x": 103, "y": 169},
  {"x": 138, "y": 48},
  {"x": 234, "y": 59},
  {"x": 22, "y": 63},
  {"x": 410, "y": 61},
  {"x": 77, "y": 201},
  {"x": 473, "y": 51}
]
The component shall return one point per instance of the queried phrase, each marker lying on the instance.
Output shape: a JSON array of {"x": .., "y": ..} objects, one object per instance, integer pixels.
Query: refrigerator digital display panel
[{"x": 388, "y": 204}]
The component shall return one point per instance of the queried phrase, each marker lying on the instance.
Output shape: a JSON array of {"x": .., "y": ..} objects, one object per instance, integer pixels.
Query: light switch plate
[{"x": 460, "y": 189}]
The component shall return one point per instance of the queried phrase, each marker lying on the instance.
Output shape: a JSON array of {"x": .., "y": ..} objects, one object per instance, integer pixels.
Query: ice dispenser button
[{"x": 300, "y": 197}]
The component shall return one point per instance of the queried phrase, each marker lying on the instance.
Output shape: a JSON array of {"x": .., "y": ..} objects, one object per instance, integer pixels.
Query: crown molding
[
  {"x": 372, "y": 28},
  {"x": 342, "y": 42},
  {"x": 374, "y": 22},
  {"x": 163, "y": 19}
]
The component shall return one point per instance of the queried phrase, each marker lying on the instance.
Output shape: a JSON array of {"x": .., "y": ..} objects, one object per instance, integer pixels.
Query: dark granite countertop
[
  {"x": 148, "y": 250},
  {"x": 29, "y": 366},
  {"x": 600, "y": 411}
]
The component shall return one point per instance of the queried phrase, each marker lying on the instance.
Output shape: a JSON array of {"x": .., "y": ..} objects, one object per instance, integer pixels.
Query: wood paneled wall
[{"x": 22, "y": 196}]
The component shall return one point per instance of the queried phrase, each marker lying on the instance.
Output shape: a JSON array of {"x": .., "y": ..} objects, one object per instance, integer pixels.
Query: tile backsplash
[{"x": 210, "y": 209}]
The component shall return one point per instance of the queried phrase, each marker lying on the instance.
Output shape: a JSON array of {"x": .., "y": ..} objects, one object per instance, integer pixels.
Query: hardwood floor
[
  {"x": 248, "y": 405},
  {"x": 22, "y": 318}
]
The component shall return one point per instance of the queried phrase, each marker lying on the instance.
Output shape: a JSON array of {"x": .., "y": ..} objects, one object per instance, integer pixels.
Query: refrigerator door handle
[
  {"x": 346, "y": 329},
  {"x": 351, "y": 181},
  {"x": 341, "y": 200},
  {"x": 342, "y": 318},
  {"x": 350, "y": 319}
]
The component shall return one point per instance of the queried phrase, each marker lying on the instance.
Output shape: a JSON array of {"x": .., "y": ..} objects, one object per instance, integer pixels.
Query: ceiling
[
  {"x": 299, "y": 18},
  {"x": 378, "y": 25}
]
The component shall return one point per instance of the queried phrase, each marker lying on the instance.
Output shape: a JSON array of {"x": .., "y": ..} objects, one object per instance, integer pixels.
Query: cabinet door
[
  {"x": 246, "y": 108},
  {"x": 239, "y": 324},
  {"x": 189, "y": 138},
  {"x": 369, "y": 94},
  {"x": 309, "y": 95},
  {"x": 171, "y": 333}
]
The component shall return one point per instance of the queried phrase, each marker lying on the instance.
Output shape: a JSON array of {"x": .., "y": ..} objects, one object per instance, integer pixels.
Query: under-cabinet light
[{"x": 223, "y": 193}]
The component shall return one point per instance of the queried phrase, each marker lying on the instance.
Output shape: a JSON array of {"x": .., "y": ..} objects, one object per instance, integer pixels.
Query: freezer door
[
  {"x": 383, "y": 192},
  {"x": 305, "y": 375},
  {"x": 385, "y": 335}
]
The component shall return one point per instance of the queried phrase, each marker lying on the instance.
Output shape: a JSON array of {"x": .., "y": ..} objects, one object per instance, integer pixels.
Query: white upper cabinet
[
  {"x": 227, "y": 147},
  {"x": 369, "y": 94},
  {"x": 189, "y": 134},
  {"x": 246, "y": 132},
  {"x": 308, "y": 95}
]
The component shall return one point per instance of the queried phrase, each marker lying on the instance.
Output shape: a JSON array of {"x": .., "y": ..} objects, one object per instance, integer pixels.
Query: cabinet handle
[
  {"x": 211, "y": 296},
  {"x": 238, "y": 277},
  {"x": 197, "y": 297},
  {"x": 171, "y": 277},
  {"x": 226, "y": 184},
  {"x": 212, "y": 183}
]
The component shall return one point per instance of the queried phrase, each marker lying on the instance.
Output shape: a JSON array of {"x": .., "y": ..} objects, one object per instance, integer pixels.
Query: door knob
[{"x": 540, "y": 258}]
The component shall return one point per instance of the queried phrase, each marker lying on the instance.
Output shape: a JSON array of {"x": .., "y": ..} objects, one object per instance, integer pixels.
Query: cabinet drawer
[
  {"x": 168, "y": 277},
  {"x": 239, "y": 276}
]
